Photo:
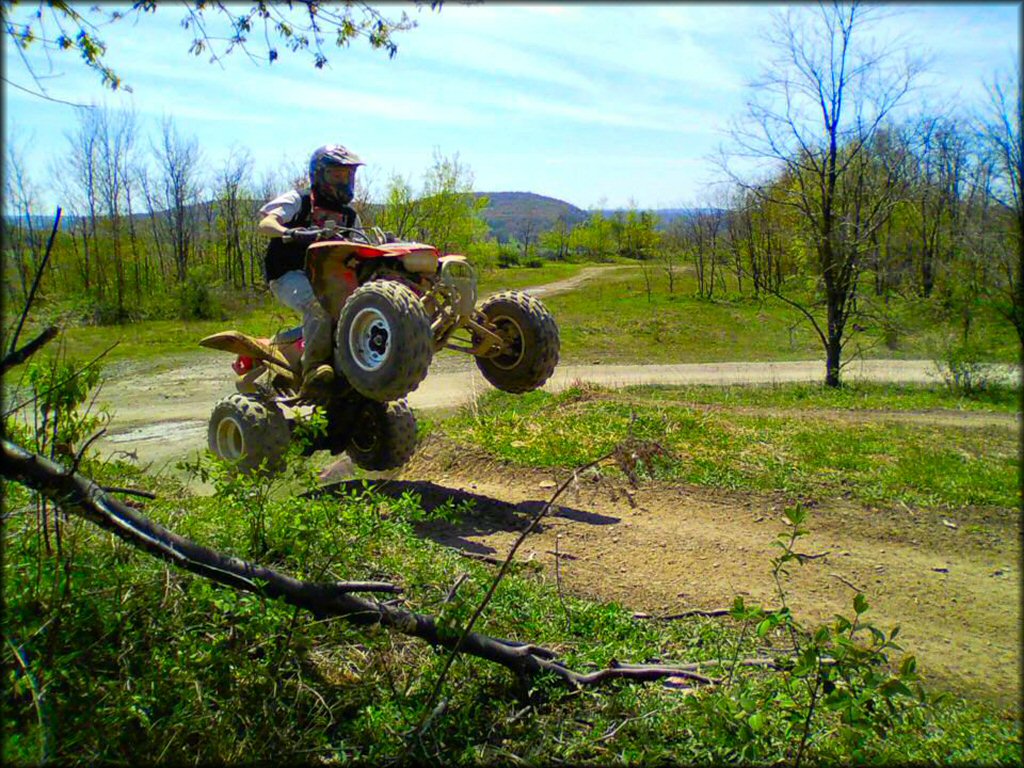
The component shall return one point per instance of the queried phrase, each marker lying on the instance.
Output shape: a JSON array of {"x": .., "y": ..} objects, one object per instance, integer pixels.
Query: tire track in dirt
[{"x": 664, "y": 548}]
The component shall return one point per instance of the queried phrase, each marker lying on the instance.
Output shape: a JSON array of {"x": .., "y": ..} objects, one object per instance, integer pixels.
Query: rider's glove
[{"x": 302, "y": 235}]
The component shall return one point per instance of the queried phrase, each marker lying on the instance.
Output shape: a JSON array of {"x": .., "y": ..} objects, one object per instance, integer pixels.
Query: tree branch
[
  {"x": 23, "y": 354},
  {"x": 35, "y": 282},
  {"x": 81, "y": 496}
]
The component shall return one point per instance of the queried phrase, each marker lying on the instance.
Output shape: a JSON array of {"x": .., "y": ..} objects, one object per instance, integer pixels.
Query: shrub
[
  {"x": 962, "y": 368},
  {"x": 194, "y": 298}
]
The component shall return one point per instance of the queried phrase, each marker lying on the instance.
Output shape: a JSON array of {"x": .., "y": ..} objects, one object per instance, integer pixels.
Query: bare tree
[
  {"x": 673, "y": 248},
  {"x": 20, "y": 242},
  {"x": 1001, "y": 133},
  {"x": 526, "y": 232},
  {"x": 147, "y": 185},
  {"x": 703, "y": 231},
  {"x": 815, "y": 114},
  {"x": 82, "y": 173},
  {"x": 115, "y": 133},
  {"x": 178, "y": 160},
  {"x": 233, "y": 181}
]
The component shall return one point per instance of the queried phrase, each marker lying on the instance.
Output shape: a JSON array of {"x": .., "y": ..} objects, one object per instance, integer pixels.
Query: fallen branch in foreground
[
  {"x": 696, "y": 613},
  {"x": 17, "y": 357},
  {"x": 79, "y": 495}
]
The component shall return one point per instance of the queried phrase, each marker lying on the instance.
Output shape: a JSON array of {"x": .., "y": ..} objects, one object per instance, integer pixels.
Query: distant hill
[
  {"x": 511, "y": 214},
  {"x": 514, "y": 214}
]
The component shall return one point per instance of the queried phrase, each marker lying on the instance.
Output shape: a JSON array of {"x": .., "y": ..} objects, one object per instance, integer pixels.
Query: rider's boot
[{"x": 315, "y": 379}]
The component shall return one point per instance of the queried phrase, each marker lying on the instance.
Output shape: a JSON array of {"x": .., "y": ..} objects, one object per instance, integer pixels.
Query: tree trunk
[{"x": 833, "y": 352}]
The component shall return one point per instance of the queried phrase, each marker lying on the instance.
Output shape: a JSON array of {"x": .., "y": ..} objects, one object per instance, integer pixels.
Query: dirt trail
[
  {"x": 161, "y": 416},
  {"x": 664, "y": 548},
  {"x": 954, "y": 590},
  {"x": 574, "y": 282}
]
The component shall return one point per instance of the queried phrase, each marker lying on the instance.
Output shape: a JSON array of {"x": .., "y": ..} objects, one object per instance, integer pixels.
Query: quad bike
[{"x": 393, "y": 306}]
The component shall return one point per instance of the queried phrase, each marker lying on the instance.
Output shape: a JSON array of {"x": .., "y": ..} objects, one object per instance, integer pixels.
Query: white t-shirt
[
  {"x": 288, "y": 205},
  {"x": 285, "y": 206}
]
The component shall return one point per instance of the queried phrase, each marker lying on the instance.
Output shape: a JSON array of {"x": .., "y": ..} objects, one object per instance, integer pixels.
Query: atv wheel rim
[
  {"x": 369, "y": 339},
  {"x": 512, "y": 333},
  {"x": 230, "y": 444},
  {"x": 366, "y": 439}
]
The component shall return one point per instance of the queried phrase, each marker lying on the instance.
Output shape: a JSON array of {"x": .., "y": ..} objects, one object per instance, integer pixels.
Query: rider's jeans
[{"x": 294, "y": 291}]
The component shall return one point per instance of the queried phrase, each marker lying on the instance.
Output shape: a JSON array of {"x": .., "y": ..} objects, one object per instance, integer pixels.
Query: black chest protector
[{"x": 283, "y": 257}]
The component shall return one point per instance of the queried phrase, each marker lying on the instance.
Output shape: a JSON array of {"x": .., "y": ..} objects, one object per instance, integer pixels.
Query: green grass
[
  {"x": 790, "y": 449},
  {"x": 861, "y": 395},
  {"x": 163, "y": 343},
  {"x": 144, "y": 663},
  {"x": 612, "y": 321}
]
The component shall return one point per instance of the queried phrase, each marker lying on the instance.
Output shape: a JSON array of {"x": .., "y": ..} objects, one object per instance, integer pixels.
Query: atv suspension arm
[{"x": 489, "y": 342}]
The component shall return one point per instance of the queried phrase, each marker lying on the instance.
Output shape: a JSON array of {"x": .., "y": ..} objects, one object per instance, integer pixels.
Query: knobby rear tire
[
  {"x": 385, "y": 435},
  {"x": 249, "y": 431}
]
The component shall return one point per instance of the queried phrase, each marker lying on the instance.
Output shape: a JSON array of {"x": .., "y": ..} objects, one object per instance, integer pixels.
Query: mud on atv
[{"x": 393, "y": 306}]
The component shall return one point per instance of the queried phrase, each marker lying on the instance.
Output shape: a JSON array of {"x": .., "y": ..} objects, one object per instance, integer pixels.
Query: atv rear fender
[{"x": 241, "y": 344}]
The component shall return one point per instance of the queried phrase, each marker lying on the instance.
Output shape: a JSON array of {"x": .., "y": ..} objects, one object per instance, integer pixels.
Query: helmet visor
[{"x": 338, "y": 182}]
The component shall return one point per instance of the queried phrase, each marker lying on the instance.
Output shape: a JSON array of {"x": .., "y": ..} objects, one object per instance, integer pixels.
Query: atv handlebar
[{"x": 310, "y": 235}]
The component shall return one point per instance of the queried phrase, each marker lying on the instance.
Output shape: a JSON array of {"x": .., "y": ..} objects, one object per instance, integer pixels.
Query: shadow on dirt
[{"x": 485, "y": 515}]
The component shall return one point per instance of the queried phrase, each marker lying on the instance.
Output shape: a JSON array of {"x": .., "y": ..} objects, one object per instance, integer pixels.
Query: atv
[{"x": 393, "y": 305}]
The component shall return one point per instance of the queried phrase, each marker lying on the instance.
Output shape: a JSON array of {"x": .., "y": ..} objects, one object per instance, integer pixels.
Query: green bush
[
  {"x": 195, "y": 297},
  {"x": 963, "y": 369}
]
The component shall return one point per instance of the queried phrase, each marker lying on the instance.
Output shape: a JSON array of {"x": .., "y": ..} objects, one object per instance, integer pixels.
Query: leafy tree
[
  {"x": 594, "y": 239},
  {"x": 217, "y": 29},
  {"x": 636, "y": 233},
  {"x": 555, "y": 241},
  {"x": 401, "y": 213},
  {"x": 449, "y": 212}
]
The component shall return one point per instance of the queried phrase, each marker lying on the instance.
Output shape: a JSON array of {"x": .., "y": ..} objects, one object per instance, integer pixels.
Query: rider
[{"x": 292, "y": 221}]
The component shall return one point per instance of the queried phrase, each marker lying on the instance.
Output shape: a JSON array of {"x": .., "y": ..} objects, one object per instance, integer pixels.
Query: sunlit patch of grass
[
  {"x": 860, "y": 395},
  {"x": 791, "y": 450},
  {"x": 612, "y": 321}
]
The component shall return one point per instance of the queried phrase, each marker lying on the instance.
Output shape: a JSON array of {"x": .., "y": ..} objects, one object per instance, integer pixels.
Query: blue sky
[{"x": 600, "y": 105}]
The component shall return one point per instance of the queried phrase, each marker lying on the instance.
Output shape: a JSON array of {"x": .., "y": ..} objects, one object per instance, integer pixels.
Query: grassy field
[
  {"x": 609, "y": 321},
  {"x": 784, "y": 438},
  {"x": 612, "y": 321},
  {"x": 112, "y": 656},
  {"x": 166, "y": 342},
  {"x": 516, "y": 278}
]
